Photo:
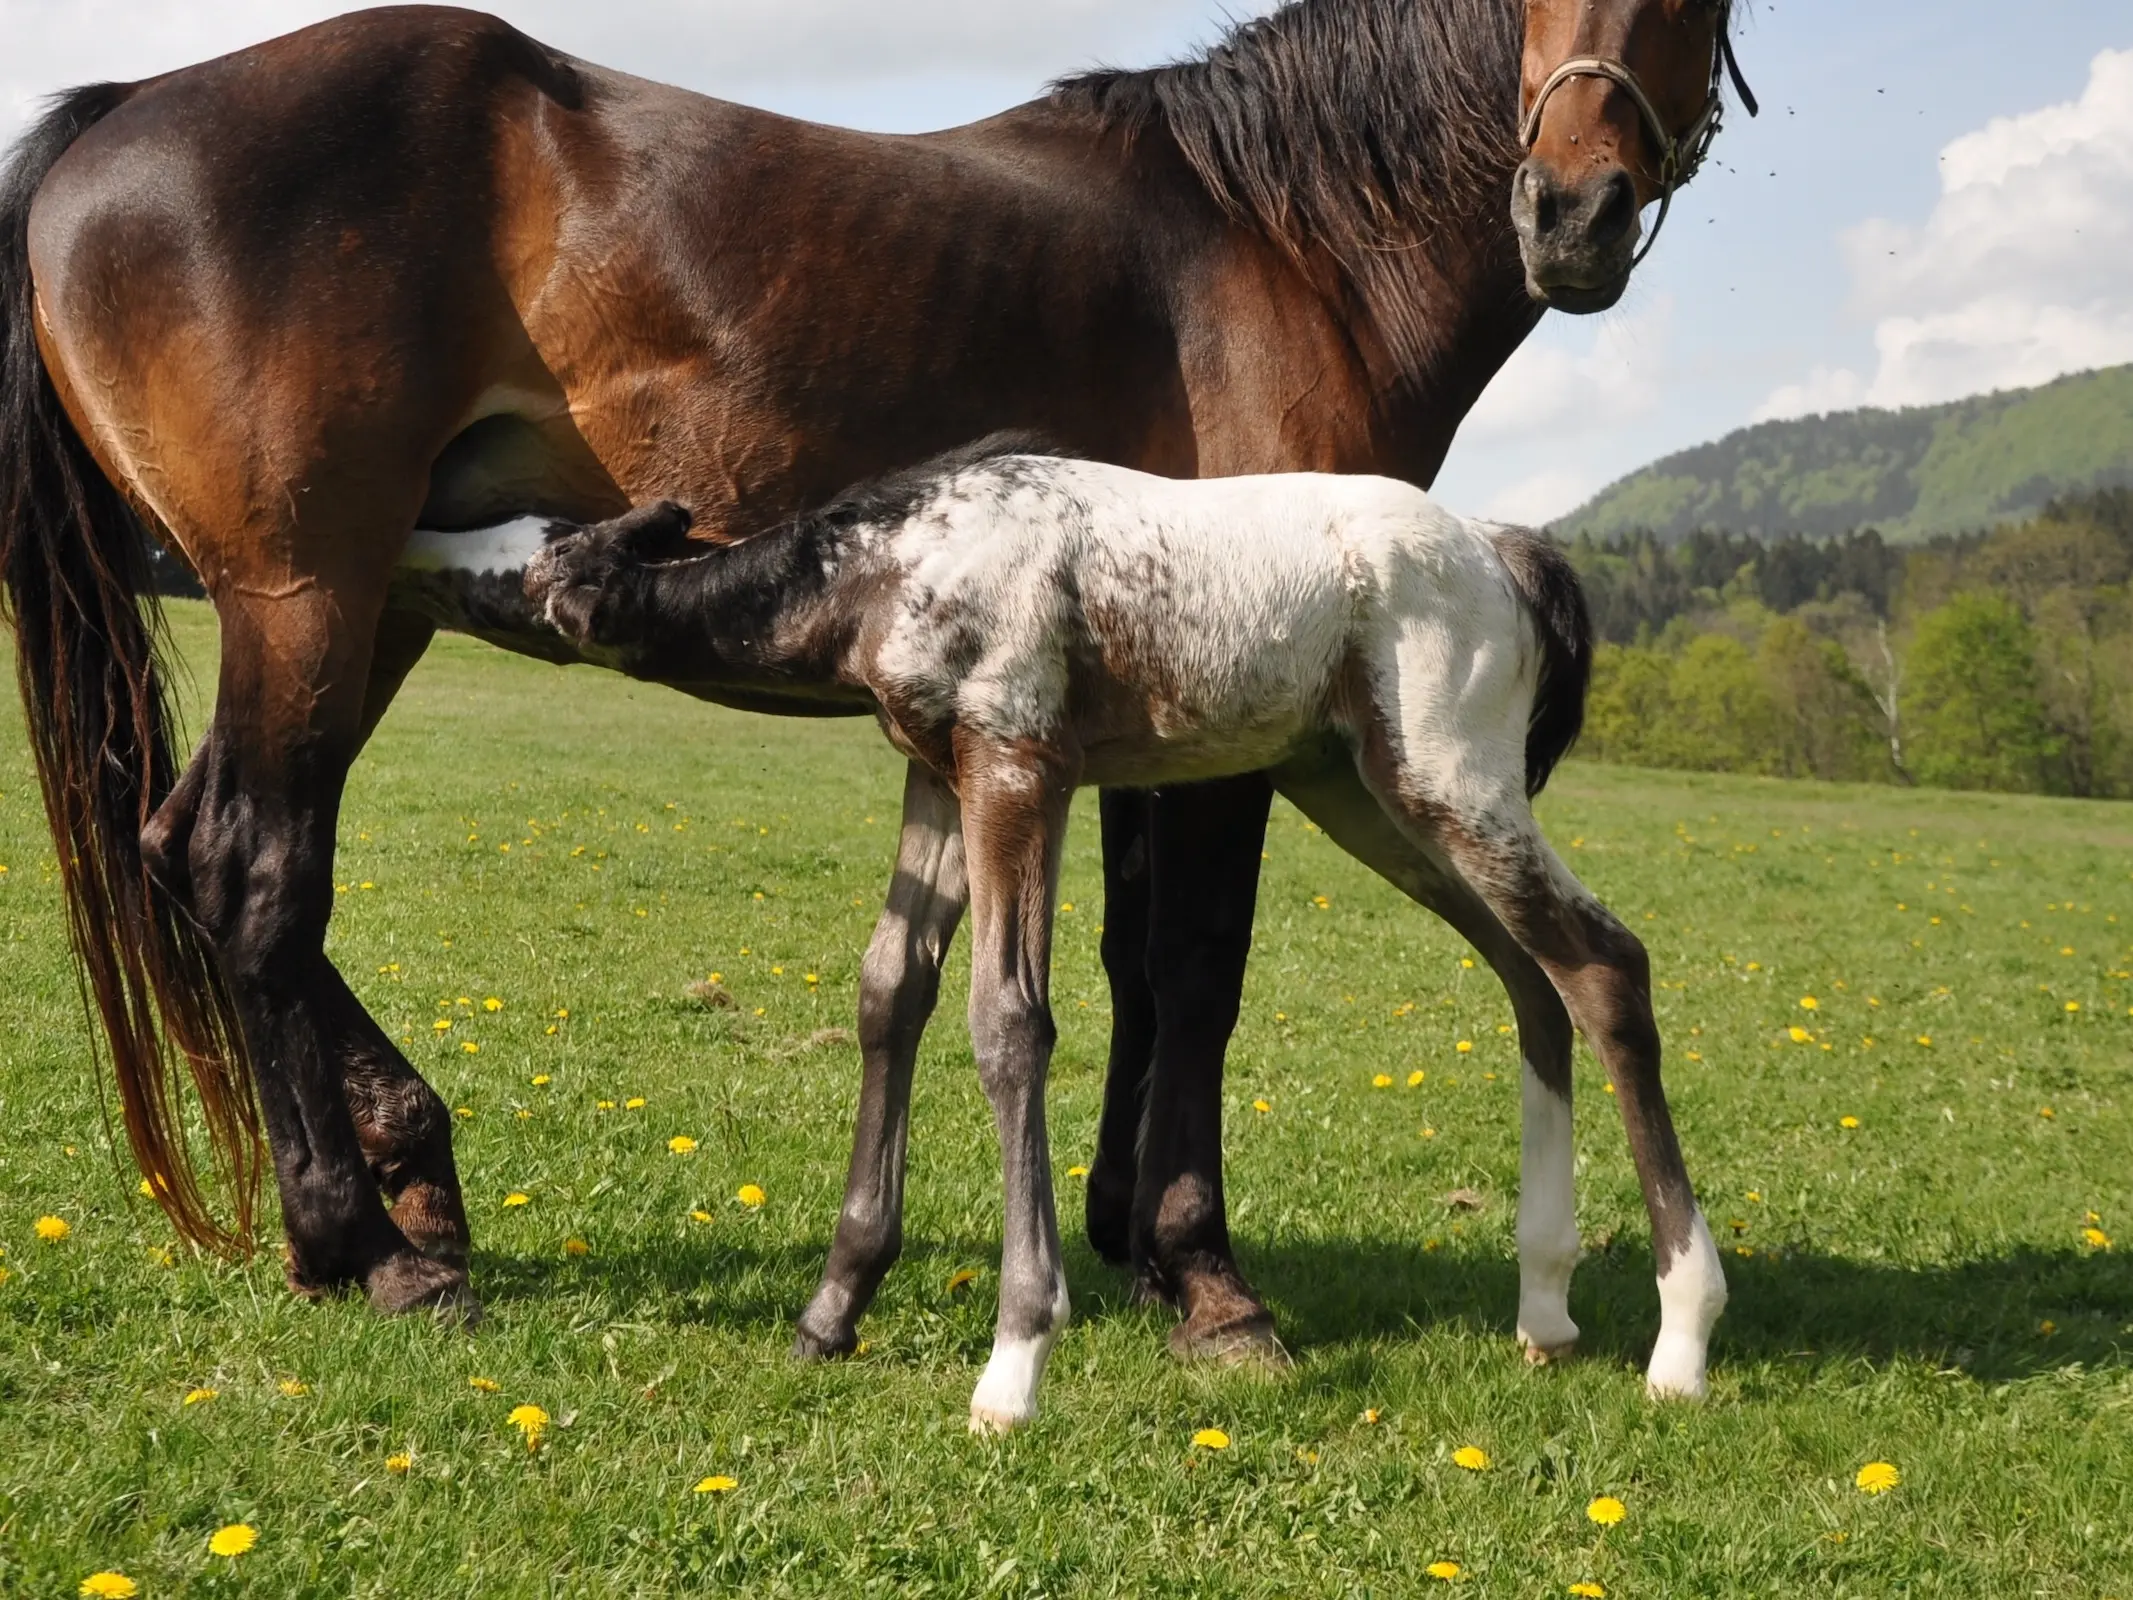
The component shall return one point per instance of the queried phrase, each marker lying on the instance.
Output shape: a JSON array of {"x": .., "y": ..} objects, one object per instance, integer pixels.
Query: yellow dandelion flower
[
  {"x": 750, "y": 1195},
  {"x": 233, "y": 1540},
  {"x": 1847, "y": 1122},
  {"x": 1077, "y": 1172},
  {"x": 1262, "y": 1106},
  {"x": 2097, "y": 1238},
  {"x": 1588, "y": 1591},
  {"x": 1308, "y": 1457},
  {"x": 2047, "y": 1113},
  {"x": 717, "y": 1483},
  {"x": 295, "y": 1388},
  {"x": 1606, "y": 1511},
  {"x": 199, "y": 1397},
  {"x": 1382, "y": 1081},
  {"x": 109, "y": 1586},
  {"x": 1800, "y": 1035},
  {"x": 634, "y": 1103},
  {"x": 2047, "y": 1327},
  {"x": 681, "y": 1144},
  {"x": 1926, "y": 1039},
  {"x": 699, "y": 1216},
  {"x": 1465, "y": 1047},
  {"x": 2073, "y": 1005},
  {"x": 53, "y": 1229},
  {"x": 1471, "y": 1458},
  {"x": 1415, "y": 1080},
  {"x": 484, "y": 1385},
  {"x": 576, "y": 1247},
  {"x": 442, "y": 1025},
  {"x": 517, "y": 1198},
  {"x": 1370, "y": 1417},
  {"x": 1210, "y": 1439},
  {"x": 1877, "y": 1477},
  {"x": 531, "y": 1422},
  {"x": 1466, "y": 963},
  {"x": 1445, "y": 1571},
  {"x": 399, "y": 1464},
  {"x": 464, "y": 1113},
  {"x": 492, "y": 1004},
  {"x": 1809, "y": 1003},
  {"x": 542, "y": 1080},
  {"x": 961, "y": 1279},
  {"x": 148, "y": 1189}
]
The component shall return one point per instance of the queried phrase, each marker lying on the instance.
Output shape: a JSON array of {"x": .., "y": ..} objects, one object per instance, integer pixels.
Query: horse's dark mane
[{"x": 1365, "y": 128}]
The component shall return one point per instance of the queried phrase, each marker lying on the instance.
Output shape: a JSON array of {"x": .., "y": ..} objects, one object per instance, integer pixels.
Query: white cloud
[
  {"x": 702, "y": 43},
  {"x": 1578, "y": 377},
  {"x": 1824, "y": 389},
  {"x": 1536, "y": 501},
  {"x": 2023, "y": 270}
]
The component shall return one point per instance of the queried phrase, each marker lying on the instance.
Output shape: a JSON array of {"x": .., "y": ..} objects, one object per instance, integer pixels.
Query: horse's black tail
[
  {"x": 75, "y": 567},
  {"x": 1549, "y": 586}
]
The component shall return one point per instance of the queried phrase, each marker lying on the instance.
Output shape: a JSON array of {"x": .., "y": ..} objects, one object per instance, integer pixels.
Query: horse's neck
[{"x": 752, "y": 610}]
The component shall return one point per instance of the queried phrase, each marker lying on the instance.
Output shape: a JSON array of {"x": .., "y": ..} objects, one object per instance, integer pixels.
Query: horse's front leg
[
  {"x": 1014, "y": 822},
  {"x": 898, "y": 987}
]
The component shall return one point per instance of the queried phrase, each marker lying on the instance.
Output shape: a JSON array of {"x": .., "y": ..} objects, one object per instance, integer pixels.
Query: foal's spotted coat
[{"x": 1026, "y": 624}]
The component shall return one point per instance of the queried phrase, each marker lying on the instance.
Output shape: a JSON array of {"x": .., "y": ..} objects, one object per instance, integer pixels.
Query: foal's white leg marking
[
  {"x": 1547, "y": 1222},
  {"x": 507, "y": 547},
  {"x": 1692, "y": 1293},
  {"x": 1006, "y": 1396}
]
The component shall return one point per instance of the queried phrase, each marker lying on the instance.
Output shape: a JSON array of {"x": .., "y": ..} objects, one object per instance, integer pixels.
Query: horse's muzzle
[{"x": 1578, "y": 239}]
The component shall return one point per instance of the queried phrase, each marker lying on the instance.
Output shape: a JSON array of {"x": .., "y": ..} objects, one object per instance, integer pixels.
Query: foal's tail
[
  {"x": 1549, "y": 586},
  {"x": 74, "y": 563}
]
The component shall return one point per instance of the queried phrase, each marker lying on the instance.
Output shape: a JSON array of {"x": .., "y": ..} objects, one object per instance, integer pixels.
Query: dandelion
[
  {"x": 2073, "y": 1006},
  {"x": 1809, "y": 1003},
  {"x": 1877, "y": 1477},
  {"x": 492, "y": 1004},
  {"x": 1925, "y": 1040},
  {"x": 1588, "y": 1591},
  {"x": 699, "y": 1216},
  {"x": 1606, "y": 1511},
  {"x": 484, "y": 1385},
  {"x": 516, "y": 1198},
  {"x": 295, "y": 1388},
  {"x": 2047, "y": 1327},
  {"x": 442, "y": 1024},
  {"x": 681, "y": 1144},
  {"x": 53, "y": 1229},
  {"x": 471, "y": 1048},
  {"x": 1382, "y": 1081},
  {"x": 1466, "y": 963},
  {"x": 717, "y": 1483},
  {"x": 199, "y": 1397},
  {"x": 2097, "y": 1238},
  {"x": 1210, "y": 1439},
  {"x": 1847, "y": 1123},
  {"x": 1471, "y": 1458},
  {"x": 634, "y": 1103},
  {"x": 399, "y": 1464},
  {"x": 1262, "y": 1105},
  {"x": 109, "y": 1586},
  {"x": 1415, "y": 1079},
  {"x": 531, "y": 1422},
  {"x": 1465, "y": 1047},
  {"x": 1446, "y": 1571},
  {"x": 750, "y": 1195},
  {"x": 576, "y": 1247},
  {"x": 1077, "y": 1172},
  {"x": 1370, "y": 1417},
  {"x": 1800, "y": 1035},
  {"x": 233, "y": 1540},
  {"x": 542, "y": 1080},
  {"x": 961, "y": 1279}
]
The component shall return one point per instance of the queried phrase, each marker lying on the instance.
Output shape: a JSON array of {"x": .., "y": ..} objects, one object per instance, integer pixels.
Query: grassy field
[{"x": 546, "y": 861}]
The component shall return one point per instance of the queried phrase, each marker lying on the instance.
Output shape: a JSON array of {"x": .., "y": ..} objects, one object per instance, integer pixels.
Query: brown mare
[{"x": 411, "y": 268}]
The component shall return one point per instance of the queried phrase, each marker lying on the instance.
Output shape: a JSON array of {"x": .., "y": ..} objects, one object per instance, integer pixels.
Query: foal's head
[
  {"x": 1620, "y": 99},
  {"x": 579, "y": 581}
]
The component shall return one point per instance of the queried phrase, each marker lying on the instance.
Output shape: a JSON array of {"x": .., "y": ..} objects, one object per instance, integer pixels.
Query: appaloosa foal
[{"x": 1025, "y": 624}]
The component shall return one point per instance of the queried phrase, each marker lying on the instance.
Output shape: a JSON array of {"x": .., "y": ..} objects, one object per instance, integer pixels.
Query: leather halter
[{"x": 1680, "y": 158}]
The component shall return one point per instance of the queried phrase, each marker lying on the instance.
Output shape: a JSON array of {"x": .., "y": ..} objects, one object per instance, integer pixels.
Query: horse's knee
[
  {"x": 1013, "y": 1041},
  {"x": 1611, "y": 998}
]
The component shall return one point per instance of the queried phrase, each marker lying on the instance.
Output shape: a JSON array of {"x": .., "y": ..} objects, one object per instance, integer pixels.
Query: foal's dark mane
[{"x": 1366, "y": 128}]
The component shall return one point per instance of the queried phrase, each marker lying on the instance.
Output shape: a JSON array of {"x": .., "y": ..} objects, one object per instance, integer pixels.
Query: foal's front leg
[
  {"x": 898, "y": 985},
  {"x": 1014, "y": 820}
]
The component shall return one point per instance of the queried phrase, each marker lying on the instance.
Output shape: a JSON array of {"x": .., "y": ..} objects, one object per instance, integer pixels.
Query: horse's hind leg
[
  {"x": 1604, "y": 976},
  {"x": 1014, "y": 822},
  {"x": 1332, "y": 795},
  {"x": 899, "y": 983}
]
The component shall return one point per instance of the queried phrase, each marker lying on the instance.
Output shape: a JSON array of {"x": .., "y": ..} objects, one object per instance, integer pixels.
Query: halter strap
[{"x": 1680, "y": 158}]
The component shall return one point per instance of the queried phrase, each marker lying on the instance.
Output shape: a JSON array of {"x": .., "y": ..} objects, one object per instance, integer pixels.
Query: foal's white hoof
[
  {"x": 1547, "y": 1336},
  {"x": 990, "y": 1424},
  {"x": 1677, "y": 1371},
  {"x": 1549, "y": 1355},
  {"x": 1006, "y": 1396}
]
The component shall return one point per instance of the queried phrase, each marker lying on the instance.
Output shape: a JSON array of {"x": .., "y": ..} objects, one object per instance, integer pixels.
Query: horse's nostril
[{"x": 1614, "y": 210}]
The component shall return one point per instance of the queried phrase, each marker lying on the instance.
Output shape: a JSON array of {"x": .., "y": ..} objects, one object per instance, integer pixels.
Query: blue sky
[{"x": 1937, "y": 199}]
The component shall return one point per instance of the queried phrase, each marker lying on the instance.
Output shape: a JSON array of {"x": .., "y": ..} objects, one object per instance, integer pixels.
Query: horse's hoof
[
  {"x": 1247, "y": 1342},
  {"x": 835, "y": 1345},
  {"x": 411, "y": 1282},
  {"x": 1151, "y": 1288},
  {"x": 987, "y": 1424},
  {"x": 1677, "y": 1371},
  {"x": 1549, "y": 1355}
]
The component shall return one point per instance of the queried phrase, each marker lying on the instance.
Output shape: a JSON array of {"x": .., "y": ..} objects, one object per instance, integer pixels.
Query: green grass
[{"x": 1888, "y": 1298}]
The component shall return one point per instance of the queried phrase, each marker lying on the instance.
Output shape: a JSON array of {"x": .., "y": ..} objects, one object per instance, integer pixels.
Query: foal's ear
[{"x": 648, "y": 532}]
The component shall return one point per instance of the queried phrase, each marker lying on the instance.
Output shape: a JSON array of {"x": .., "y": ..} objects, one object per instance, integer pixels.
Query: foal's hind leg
[
  {"x": 1332, "y": 795},
  {"x": 1014, "y": 820},
  {"x": 898, "y": 986}
]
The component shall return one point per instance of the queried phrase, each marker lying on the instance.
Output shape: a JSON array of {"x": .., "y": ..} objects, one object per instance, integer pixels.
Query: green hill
[{"x": 1913, "y": 474}]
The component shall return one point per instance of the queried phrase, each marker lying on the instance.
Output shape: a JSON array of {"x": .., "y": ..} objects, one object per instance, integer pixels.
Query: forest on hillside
[{"x": 1999, "y": 660}]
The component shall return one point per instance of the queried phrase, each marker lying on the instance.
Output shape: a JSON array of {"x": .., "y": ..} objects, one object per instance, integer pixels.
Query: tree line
[{"x": 1997, "y": 660}]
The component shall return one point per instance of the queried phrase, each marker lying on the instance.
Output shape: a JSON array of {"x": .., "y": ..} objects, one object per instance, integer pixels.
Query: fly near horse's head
[{"x": 1620, "y": 102}]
